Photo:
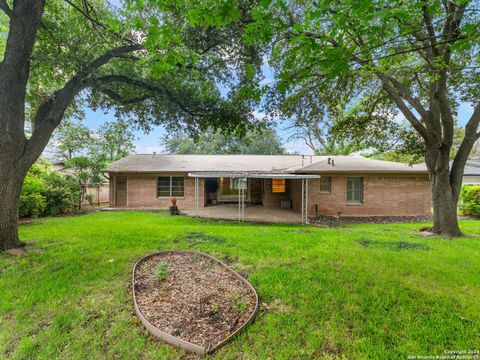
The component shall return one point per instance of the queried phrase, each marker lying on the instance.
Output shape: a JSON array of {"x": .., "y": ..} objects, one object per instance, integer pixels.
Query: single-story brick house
[{"x": 340, "y": 186}]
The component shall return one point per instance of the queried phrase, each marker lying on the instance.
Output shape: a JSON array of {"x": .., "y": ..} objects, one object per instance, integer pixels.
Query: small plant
[
  {"x": 161, "y": 270},
  {"x": 239, "y": 306},
  {"x": 214, "y": 309}
]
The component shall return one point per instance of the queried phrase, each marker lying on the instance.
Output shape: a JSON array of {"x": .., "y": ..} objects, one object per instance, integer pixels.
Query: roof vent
[
  {"x": 329, "y": 161},
  {"x": 303, "y": 160},
  {"x": 154, "y": 153},
  {"x": 333, "y": 163}
]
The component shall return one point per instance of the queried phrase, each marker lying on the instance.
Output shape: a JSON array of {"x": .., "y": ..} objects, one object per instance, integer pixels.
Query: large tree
[
  {"x": 114, "y": 140},
  {"x": 258, "y": 142},
  {"x": 423, "y": 55},
  {"x": 70, "y": 140},
  {"x": 154, "y": 62}
]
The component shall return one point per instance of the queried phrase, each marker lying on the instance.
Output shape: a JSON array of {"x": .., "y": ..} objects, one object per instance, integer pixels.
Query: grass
[{"x": 326, "y": 293}]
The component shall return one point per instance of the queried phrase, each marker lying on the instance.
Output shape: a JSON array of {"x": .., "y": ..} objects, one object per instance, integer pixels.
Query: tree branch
[
  {"x": 471, "y": 135},
  {"x": 94, "y": 82},
  {"x": 117, "y": 97},
  {"x": 105, "y": 58},
  {"x": 6, "y": 9},
  {"x": 409, "y": 115},
  {"x": 415, "y": 103},
  {"x": 50, "y": 113}
]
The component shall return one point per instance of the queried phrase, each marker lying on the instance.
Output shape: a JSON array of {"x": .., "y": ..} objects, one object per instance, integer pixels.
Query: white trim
[{"x": 252, "y": 175}]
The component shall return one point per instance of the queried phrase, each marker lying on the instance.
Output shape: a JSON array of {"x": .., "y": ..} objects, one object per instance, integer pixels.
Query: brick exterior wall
[
  {"x": 272, "y": 200},
  {"x": 142, "y": 192},
  {"x": 382, "y": 196}
]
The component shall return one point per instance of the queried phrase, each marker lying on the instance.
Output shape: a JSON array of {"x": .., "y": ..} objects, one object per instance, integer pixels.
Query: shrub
[
  {"x": 470, "y": 200},
  {"x": 89, "y": 198},
  {"x": 48, "y": 193},
  {"x": 61, "y": 194},
  {"x": 31, "y": 205}
]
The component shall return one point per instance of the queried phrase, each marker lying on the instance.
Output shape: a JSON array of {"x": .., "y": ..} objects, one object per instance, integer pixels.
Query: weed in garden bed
[
  {"x": 161, "y": 270},
  {"x": 393, "y": 245},
  {"x": 239, "y": 306}
]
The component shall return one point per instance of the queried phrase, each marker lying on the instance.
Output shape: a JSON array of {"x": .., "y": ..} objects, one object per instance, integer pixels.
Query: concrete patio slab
[{"x": 253, "y": 213}]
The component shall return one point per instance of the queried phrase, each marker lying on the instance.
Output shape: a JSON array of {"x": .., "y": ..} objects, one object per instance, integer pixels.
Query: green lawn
[{"x": 351, "y": 292}]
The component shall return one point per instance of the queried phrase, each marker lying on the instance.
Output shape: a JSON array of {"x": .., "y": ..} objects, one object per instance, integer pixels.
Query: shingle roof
[
  {"x": 256, "y": 163},
  {"x": 472, "y": 167},
  {"x": 358, "y": 164}
]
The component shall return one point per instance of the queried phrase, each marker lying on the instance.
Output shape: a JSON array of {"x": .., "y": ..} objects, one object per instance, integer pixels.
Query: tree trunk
[
  {"x": 11, "y": 182},
  {"x": 444, "y": 200}
]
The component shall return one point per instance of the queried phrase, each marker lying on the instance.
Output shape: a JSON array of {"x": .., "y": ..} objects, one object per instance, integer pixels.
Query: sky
[{"x": 149, "y": 143}]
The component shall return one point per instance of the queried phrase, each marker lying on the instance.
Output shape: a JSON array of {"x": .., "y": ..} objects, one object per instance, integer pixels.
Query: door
[{"x": 121, "y": 191}]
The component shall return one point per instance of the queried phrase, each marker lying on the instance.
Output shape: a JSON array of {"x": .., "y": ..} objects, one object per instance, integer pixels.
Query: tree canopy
[
  {"x": 257, "y": 142},
  {"x": 417, "y": 57}
]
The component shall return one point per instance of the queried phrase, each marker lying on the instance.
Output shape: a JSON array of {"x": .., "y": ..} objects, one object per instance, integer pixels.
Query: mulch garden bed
[
  {"x": 332, "y": 221},
  {"x": 197, "y": 299}
]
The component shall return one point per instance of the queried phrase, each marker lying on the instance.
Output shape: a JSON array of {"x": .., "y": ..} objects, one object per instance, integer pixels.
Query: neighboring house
[
  {"x": 100, "y": 194},
  {"x": 332, "y": 185},
  {"x": 471, "y": 173}
]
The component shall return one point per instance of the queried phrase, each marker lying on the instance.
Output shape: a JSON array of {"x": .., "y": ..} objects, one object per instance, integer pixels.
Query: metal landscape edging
[{"x": 173, "y": 340}]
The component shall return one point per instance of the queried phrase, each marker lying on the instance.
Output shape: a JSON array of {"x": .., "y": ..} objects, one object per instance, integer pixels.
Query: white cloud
[
  {"x": 297, "y": 146},
  {"x": 258, "y": 115},
  {"x": 148, "y": 149}
]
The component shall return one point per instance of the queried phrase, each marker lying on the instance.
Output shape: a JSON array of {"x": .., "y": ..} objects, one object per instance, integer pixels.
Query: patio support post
[
  {"x": 196, "y": 197},
  {"x": 303, "y": 198},
  {"x": 243, "y": 204},
  {"x": 239, "y": 205},
  {"x": 306, "y": 201}
]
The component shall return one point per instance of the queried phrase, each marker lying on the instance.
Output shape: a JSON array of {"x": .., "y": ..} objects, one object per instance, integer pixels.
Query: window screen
[
  {"x": 170, "y": 186},
  {"x": 355, "y": 190},
  {"x": 325, "y": 185},
  {"x": 178, "y": 185}
]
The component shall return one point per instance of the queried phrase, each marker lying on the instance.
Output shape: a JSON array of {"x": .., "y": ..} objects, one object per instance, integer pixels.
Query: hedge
[{"x": 470, "y": 200}]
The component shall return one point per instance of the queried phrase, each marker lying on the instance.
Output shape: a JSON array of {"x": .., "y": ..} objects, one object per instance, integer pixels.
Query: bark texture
[
  {"x": 17, "y": 152},
  {"x": 11, "y": 181}
]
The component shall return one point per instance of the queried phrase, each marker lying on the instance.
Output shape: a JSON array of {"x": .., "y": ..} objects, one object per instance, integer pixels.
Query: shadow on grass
[{"x": 392, "y": 245}]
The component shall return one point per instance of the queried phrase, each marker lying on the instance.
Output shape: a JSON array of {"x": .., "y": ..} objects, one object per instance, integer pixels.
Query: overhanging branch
[
  {"x": 6, "y": 9},
  {"x": 155, "y": 89}
]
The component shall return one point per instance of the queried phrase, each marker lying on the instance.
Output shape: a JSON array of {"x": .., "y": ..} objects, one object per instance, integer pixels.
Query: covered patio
[
  {"x": 253, "y": 213},
  {"x": 243, "y": 211}
]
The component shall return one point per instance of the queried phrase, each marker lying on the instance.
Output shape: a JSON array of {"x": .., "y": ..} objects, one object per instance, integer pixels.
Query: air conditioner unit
[{"x": 286, "y": 204}]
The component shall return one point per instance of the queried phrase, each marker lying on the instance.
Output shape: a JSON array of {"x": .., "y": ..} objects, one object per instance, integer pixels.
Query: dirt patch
[
  {"x": 301, "y": 231},
  {"x": 20, "y": 251},
  {"x": 199, "y": 300},
  {"x": 392, "y": 245},
  {"x": 277, "y": 306},
  {"x": 194, "y": 238}
]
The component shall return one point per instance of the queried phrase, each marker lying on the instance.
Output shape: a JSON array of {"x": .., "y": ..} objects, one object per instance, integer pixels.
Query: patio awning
[{"x": 251, "y": 175}]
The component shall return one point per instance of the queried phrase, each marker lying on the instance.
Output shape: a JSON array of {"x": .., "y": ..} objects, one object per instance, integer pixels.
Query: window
[
  {"x": 168, "y": 186},
  {"x": 325, "y": 186},
  {"x": 278, "y": 185},
  {"x": 355, "y": 190}
]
